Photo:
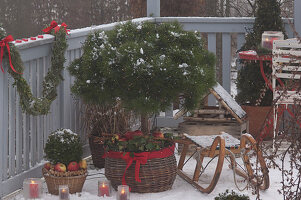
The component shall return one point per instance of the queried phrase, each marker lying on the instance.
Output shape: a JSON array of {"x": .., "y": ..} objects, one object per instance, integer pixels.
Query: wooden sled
[{"x": 218, "y": 148}]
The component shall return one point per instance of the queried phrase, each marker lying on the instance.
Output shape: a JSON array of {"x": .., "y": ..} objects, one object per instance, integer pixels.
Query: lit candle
[
  {"x": 33, "y": 190},
  {"x": 64, "y": 192},
  {"x": 268, "y": 43},
  {"x": 104, "y": 188},
  {"x": 123, "y": 195},
  {"x": 123, "y": 192}
]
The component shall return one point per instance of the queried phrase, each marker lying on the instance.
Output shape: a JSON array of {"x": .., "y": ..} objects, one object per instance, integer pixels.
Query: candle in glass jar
[
  {"x": 123, "y": 192},
  {"x": 123, "y": 195},
  {"x": 104, "y": 188},
  {"x": 33, "y": 190},
  {"x": 64, "y": 192},
  {"x": 267, "y": 43}
]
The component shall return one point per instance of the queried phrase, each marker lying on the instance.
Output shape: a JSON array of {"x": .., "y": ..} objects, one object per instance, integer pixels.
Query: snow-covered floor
[{"x": 181, "y": 190}]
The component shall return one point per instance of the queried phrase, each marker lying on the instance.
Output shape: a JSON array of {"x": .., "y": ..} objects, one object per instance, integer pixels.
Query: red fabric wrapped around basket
[{"x": 140, "y": 158}]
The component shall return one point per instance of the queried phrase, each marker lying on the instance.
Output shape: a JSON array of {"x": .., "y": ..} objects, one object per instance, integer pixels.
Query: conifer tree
[{"x": 250, "y": 82}]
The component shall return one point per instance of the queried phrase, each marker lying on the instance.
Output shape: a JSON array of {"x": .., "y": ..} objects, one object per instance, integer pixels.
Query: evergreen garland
[
  {"x": 250, "y": 82},
  {"x": 145, "y": 65},
  {"x": 41, "y": 105}
]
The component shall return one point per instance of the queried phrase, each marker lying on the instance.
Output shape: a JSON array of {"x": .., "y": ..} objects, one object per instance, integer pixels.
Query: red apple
[
  {"x": 158, "y": 134},
  {"x": 48, "y": 166},
  {"x": 60, "y": 167},
  {"x": 83, "y": 164},
  {"x": 73, "y": 166}
]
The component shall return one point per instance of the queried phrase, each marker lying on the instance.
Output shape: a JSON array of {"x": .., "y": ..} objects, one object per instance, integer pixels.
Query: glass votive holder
[
  {"x": 32, "y": 188},
  {"x": 123, "y": 192},
  {"x": 64, "y": 192},
  {"x": 104, "y": 188},
  {"x": 268, "y": 37}
]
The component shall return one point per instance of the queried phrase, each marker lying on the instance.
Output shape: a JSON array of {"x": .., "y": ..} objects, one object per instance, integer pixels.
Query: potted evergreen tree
[
  {"x": 253, "y": 94},
  {"x": 145, "y": 67}
]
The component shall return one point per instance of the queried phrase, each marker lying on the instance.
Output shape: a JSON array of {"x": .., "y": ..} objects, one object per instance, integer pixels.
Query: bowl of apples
[{"x": 63, "y": 150}]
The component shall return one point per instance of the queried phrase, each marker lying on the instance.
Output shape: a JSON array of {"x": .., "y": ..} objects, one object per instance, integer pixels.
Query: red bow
[
  {"x": 54, "y": 25},
  {"x": 140, "y": 158},
  {"x": 4, "y": 43}
]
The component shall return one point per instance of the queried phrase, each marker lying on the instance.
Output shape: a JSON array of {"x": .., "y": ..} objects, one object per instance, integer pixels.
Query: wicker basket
[
  {"x": 157, "y": 175},
  {"x": 97, "y": 151},
  {"x": 75, "y": 180}
]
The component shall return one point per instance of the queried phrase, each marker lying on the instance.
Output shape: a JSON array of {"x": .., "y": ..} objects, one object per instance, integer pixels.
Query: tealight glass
[
  {"x": 64, "y": 192},
  {"x": 32, "y": 188},
  {"x": 104, "y": 188},
  {"x": 123, "y": 192}
]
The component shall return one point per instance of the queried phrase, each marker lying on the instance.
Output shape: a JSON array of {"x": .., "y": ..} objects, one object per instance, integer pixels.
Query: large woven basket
[
  {"x": 74, "y": 180},
  {"x": 157, "y": 175},
  {"x": 97, "y": 151}
]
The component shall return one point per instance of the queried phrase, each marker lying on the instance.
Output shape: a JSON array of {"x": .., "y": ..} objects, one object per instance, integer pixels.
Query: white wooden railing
[{"x": 22, "y": 137}]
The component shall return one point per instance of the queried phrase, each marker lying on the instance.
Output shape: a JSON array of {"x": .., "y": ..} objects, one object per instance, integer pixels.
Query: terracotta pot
[{"x": 256, "y": 116}]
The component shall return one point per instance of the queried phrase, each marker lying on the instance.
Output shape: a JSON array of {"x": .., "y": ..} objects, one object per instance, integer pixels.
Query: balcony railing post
[
  {"x": 297, "y": 16},
  {"x": 153, "y": 8}
]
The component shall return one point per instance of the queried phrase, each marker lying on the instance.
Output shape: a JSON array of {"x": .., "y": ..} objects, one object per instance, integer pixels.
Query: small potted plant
[
  {"x": 144, "y": 162},
  {"x": 254, "y": 94},
  {"x": 64, "y": 150}
]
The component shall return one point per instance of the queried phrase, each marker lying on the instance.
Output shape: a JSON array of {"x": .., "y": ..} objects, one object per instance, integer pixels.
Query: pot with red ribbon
[{"x": 144, "y": 162}]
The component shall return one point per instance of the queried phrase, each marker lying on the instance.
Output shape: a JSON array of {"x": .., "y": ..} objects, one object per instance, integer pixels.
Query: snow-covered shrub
[
  {"x": 63, "y": 146},
  {"x": 231, "y": 196},
  {"x": 145, "y": 65}
]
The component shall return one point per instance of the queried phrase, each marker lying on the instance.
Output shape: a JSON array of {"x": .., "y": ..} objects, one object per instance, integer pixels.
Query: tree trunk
[{"x": 144, "y": 124}]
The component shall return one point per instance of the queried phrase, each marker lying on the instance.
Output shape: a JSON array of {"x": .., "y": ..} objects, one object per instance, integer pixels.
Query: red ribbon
[
  {"x": 4, "y": 43},
  {"x": 54, "y": 25},
  {"x": 140, "y": 158}
]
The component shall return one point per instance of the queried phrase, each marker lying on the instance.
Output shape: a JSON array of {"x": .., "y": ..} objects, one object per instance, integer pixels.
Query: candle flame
[
  {"x": 103, "y": 185},
  {"x": 63, "y": 190},
  {"x": 32, "y": 182},
  {"x": 122, "y": 191},
  {"x": 266, "y": 39}
]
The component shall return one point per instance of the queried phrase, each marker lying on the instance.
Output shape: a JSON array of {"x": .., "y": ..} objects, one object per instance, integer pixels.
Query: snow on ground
[{"x": 181, "y": 190}]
